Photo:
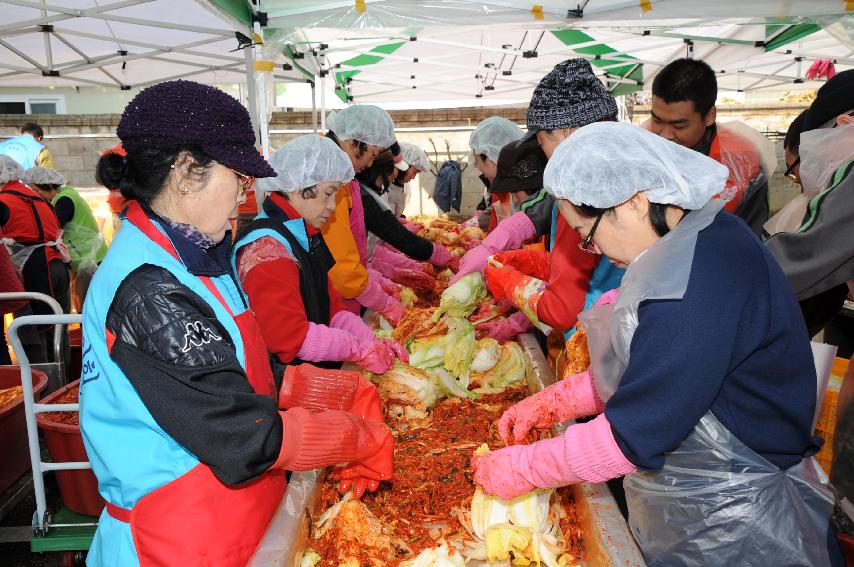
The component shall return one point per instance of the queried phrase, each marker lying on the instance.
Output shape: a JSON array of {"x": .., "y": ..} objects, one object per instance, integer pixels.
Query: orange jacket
[{"x": 349, "y": 276}]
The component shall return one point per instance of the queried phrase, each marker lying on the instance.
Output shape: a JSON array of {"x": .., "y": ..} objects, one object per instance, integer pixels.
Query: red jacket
[
  {"x": 270, "y": 278},
  {"x": 31, "y": 218},
  {"x": 571, "y": 270}
]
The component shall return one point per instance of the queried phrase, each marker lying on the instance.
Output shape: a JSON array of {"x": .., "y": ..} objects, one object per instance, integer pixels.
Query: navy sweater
[{"x": 736, "y": 344}]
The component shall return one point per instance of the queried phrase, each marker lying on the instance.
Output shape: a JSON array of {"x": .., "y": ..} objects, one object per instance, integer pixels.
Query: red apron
[{"x": 196, "y": 519}]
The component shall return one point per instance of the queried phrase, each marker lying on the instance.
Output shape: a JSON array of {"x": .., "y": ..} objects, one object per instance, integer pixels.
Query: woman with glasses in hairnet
[{"x": 701, "y": 370}]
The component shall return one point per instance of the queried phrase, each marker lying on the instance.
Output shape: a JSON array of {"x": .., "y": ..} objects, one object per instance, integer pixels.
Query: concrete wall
[{"x": 77, "y": 140}]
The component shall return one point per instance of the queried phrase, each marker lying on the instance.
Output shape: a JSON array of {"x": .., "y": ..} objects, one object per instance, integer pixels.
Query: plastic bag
[
  {"x": 789, "y": 218},
  {"x": 822, "y": 152},
  {"x": 716, "y": 499}
]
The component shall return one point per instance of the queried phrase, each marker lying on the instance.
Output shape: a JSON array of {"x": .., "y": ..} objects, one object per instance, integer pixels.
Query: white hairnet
[
  {"x": 606, "y": 163},
  {"x": 363, "y": 122},
  {"x": 493, "y": 134},
  {"x": 10, "y": 170},
  {"x": 306, "y": 161},
  {"x": 43, "y": 176},
  {"x": 413, "y": 155}
]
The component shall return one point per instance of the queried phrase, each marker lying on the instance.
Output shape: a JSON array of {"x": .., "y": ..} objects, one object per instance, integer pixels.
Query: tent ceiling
[
  {"x": 130, "y": 43},
  {"x": 416, "y": 50}
]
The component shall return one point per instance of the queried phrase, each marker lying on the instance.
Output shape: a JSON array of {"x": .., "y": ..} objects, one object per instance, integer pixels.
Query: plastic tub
[
  {"x": 14, "y": 448},
  {"x": 78, "y": 488}
]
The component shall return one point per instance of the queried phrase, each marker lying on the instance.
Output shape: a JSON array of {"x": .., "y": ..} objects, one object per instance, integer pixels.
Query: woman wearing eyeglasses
[
  {"x": 701, "y": 370},
  {"x": 180, "y": 413}
]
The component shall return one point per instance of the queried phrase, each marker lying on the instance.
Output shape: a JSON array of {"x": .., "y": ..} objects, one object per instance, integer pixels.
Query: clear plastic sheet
[
  {"x": 610, "y": 328},
  {"x": 822, "y": 152},
  {"x": 717, "y": 499}
]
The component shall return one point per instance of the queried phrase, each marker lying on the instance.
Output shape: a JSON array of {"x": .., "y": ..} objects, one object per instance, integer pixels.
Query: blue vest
[
  {"x": 606, "y": 276},
  {"x": 24, "y": 149},
  {"x": 130, "y": 454}
]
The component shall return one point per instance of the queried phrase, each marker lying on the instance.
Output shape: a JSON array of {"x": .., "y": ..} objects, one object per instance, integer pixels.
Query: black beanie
[{"x": 833, "y": 98}]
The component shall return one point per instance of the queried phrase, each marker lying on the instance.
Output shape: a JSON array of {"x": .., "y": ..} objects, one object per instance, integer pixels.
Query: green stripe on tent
[
  {"x": 289, "y": 52},
  {"x": 633, "y": 71},
  {"x": 794, "y": 33},
  {"x": 362, "y": 60},
  {"x": 236, "y": 8}
]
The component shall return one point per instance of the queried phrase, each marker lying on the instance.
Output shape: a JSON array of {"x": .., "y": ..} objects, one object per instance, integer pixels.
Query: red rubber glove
[
  {"x": 317, "y": 389},
  {"x": 534, "y": 263},
  {"x": 370, "y": 470},
  {"x": 502, "y": 281},
  {"x": 313, "y": 440}
]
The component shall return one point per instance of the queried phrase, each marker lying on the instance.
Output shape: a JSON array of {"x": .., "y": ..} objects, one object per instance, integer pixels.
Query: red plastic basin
[
  {"x": 78, "y": 488},
  {"x": 14, "y": 448}
]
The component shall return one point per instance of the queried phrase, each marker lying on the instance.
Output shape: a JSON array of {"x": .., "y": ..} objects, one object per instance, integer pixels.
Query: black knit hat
[
  {"x": 833, "y": 98},
  {"x": 185, "y": 112},
  {"x": 520, "y": 168},
  {"x": 570, "y": 96}
]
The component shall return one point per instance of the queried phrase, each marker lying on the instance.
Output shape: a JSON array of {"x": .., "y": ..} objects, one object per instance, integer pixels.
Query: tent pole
[
  {"x": 250, "y": 89},
  {"x": 313, "y": 107},
  {"x": 261, "y": 97},
  {"x": 323, "y": 102}
]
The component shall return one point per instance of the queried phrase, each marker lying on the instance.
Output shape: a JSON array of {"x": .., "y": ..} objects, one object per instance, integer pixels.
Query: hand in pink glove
[
  {"x": 375, "y": 357},
  {"x": 502, "y": 330},
  {"x": 586, "y": 452},
  {"x": 510, "y": 234},
  {"x": 398, "y": 349},
  {"x": 394, "y": 312},
  {"x": 473, "y": 261},
  {"x": 375, "y": 298},
  {"x": 570, "y": 398},
  {"x": 440, "y": 256},
  {"x": 390, "y": 287}
]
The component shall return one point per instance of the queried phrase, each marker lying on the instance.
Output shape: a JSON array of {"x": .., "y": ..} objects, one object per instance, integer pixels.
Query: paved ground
[{"x": 19, "y": 554}]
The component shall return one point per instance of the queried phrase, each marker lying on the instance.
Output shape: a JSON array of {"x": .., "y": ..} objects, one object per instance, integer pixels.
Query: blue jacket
[{"x": 448, "y": 191}]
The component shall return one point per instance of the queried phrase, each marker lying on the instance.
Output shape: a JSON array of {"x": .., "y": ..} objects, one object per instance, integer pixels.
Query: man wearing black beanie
[{"x": 818, "y": 257}]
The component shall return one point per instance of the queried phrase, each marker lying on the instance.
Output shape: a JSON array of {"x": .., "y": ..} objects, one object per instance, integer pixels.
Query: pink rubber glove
[
  {"x": 390, "y": 287},
  {"x": 502, "y": 330},
  {"x": 383, "y": 255},
  {"x": 413, "y": 227},
  {"x": 376, "y": 299},
  {"x": 375, "y": 357},
  {"x": 351, "y": 323},
  {"x": 586, "y": 452},
  {"x": 510, "y": 234},
  {"x": 440, "y": 256},
  {"x": 574, "y": 396},
  {"x": 398, "y": 349},
  {"x": 326, "y": 343}
]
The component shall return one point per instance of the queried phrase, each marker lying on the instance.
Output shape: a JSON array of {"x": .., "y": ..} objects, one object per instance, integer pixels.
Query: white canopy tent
[
  {"x": 387, "y": 51},
  {"x": 407, "y": 51}
]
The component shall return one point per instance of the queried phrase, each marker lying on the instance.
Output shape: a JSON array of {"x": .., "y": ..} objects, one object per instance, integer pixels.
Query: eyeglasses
[
  {"x": 245, "y": 181},
  {"x": 789, "y": 170},
  {"x": 587, "y": 243}
]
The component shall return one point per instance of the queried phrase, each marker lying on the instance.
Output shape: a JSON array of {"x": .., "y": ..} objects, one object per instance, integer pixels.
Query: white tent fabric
[
  {"x": 397, "y": 51},
  {"x": 130, "y": 43}
]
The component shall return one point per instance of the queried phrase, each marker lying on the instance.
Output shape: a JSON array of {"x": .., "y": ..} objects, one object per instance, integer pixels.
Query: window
[{"x": 32, "y": 104}]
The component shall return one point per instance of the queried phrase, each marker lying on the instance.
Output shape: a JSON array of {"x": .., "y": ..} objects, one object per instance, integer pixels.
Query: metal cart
[{"x": 63, "y": 531}]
